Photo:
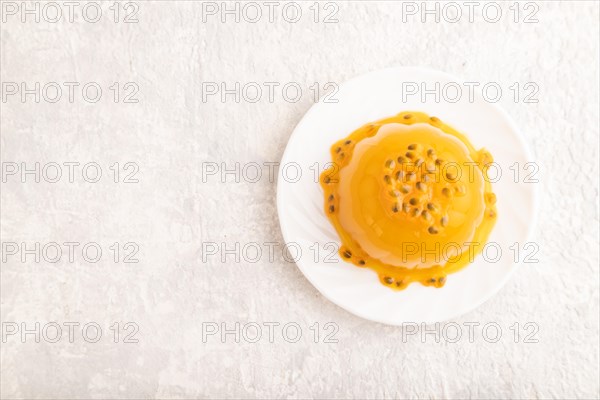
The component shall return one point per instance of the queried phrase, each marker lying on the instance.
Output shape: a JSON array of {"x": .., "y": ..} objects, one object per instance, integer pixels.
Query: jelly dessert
[{"x": 409, "y": 198}]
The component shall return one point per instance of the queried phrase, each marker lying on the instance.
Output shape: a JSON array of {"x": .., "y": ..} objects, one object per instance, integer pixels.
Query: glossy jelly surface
[{"x": 409, "y": 198}]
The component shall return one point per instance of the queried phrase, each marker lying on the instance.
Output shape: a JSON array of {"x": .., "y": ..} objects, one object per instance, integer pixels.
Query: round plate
[{"x": 313, "y": 242}]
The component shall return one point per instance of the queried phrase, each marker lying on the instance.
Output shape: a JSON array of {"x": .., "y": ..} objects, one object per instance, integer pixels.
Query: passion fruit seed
[
  {"x": 407, "y": 116},
  {"x": 434, "y": 119},
  {"x": 405, "y": 189},
  {"x": 413, "y": 201},
  {"x": 446, "y": 192},
  {"x": 430, "y": 153},
  {"x": 460, "y": 190},
  {"x": 395, "y": 208},
  {"x": 421, "y": 186},
  {"x": 412, "y": 146},
  {"x": 444, "y": 221},
  {"x": 348, "y": 141},
  {"x": 394, "y": 193},
  {"x": 361, "y": 262},
  {"x": 326, "y": 179},
  {"x": 432, "y": 280},
  {"x": 432, "y": 207},
  {"x": 331, "y": 208},
  {"x": 399, "y": 175},
  {"x": 411, "y": 175},
  {"x": 442, "y": 279},
  {"x": 451, "y": 176},
  {"x": 387, "y": 179},
  {"x": 419, "y": 162},
  {"x": 426, "y": 178},
  {"x": 410, "y": 155},
  {"x": 330, "y": 197},
  {"x": 416, "y": 212},
  {"x": 426, "y": 216},
  {"x": 491, "y": 198},
  {"x": 388, "y": 280},
  {"x": 405, "y": 207},
  {"x": 439, "y": 161},
  {"x": 347, "y": 254},
  {"x": 401, "y": 160},
  {"x": 390, "y": 164},
  {"x": 433, "y": 230},
  {"x": 492, "y": 214}
]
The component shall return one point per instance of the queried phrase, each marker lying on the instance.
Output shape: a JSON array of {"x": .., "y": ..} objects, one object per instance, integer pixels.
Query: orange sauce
[{"x": 409, "y": 198}]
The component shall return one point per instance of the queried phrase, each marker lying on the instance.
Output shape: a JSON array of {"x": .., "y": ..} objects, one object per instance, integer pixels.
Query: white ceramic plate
[{"x": 310, "y": 236}]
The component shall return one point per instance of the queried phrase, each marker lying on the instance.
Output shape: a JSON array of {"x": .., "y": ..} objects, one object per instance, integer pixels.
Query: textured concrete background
[{"x": 171, "y": 293}]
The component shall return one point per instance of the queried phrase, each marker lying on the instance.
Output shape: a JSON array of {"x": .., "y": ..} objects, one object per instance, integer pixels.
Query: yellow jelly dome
[{"x": 409, "y": 198}]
